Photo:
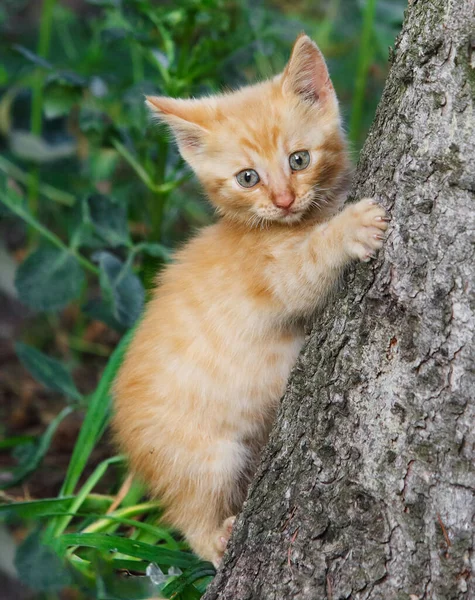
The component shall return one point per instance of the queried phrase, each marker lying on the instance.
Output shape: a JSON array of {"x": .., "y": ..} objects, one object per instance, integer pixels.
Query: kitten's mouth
[
  {"x": 295, "y": 211},
  {"x": 290, "y": 215},
  {"x": 293, "y": 214}
]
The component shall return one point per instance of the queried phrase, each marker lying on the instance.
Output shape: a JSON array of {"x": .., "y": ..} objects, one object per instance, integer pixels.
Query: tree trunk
[{"x": 367, "y": 486}]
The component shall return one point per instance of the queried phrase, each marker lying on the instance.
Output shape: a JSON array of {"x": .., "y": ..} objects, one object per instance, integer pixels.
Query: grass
[
  {"x": 112, "y": 544},
  {"x": 121, "y": 532},
  {"x": 44, "y": 43}
]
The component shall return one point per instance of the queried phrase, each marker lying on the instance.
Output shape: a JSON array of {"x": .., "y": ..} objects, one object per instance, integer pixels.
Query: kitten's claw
[
  {"x": 364, "y": 225},
  {"x": 229, "y": 524},
  {"x": 369, "y": 256},
  {"x": 223, "y": 538},
  {"x": 224, "y": 542}
]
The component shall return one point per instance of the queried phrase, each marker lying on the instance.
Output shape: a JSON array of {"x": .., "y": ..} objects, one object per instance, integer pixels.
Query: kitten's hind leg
[
  {"x": 212, "y": 545},
  {"x": 207, "y": 496}
]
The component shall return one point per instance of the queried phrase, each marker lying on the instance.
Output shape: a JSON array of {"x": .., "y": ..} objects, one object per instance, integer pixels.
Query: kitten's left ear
[
  {"x": 186, "y": 119},
  {"x": 306, "y": 74}
]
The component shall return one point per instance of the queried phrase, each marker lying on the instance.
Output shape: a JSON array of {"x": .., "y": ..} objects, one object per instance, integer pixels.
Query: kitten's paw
[
  {"x": 223, "y": 538},
  {"x": 365, "y": 226}
]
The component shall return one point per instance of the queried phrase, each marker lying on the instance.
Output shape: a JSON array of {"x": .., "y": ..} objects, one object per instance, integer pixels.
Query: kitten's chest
[{"x": 262, "y": 373}]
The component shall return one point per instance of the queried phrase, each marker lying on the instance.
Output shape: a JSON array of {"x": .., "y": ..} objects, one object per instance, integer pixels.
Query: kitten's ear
[
  {"x": 185, "y": 118},
  {"x": 306, "y": 74}
]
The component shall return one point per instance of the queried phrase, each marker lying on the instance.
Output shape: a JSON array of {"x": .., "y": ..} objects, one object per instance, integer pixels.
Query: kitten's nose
[{"x": 284, "y": 199}]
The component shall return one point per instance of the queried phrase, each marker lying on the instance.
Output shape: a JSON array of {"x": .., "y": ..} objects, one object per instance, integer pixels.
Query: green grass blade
[
  {"x": 15, "y": 440},
  {"x": 130, "y": 565},
  {"x": 121, "y": 517},
  {"x": 159, "y": 533},
  {"x": 114, "y": 543},
  {"x": 178, "y": 585},
  {"x": 61, "y": 523},
  {"x": 97, "y": 414},
  {"x": 94, "y": 503}
]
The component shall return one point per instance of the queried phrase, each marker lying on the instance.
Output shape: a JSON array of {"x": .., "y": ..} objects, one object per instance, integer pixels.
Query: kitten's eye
[
  {"x": 248, "y": 178},
  {"x": 299, "y": 160}
]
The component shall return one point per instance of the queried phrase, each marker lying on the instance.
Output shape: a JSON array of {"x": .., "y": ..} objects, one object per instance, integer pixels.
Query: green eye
[
  {"x": 299, "y": 160},
  {"x": 247, "y": 178}
]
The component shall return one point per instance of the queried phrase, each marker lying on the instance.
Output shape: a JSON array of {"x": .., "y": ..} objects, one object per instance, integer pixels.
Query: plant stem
[
  {"x": 67, "y": 40},
  {"x": 77, "y": 343},
  {"x": 45, "y": 189},
  {"x": 37, "y": 99},
  {"x": 364, "y": 61},
  {"x": 36, "y": 226},
  {"x": 137, "y": 64}
]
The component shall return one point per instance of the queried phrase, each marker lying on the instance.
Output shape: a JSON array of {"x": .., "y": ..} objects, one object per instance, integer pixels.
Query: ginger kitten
[{"x": 198, "y": 391}]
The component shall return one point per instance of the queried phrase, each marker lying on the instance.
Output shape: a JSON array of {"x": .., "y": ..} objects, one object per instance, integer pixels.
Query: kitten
[{"x": 201, "y": 382}]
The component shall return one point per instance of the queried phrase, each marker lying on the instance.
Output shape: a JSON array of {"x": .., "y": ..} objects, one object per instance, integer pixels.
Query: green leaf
[
  {"x": 39, "y": 567},
  {"x": 55, "y": 506},
  {"x": 49, "y": 278},
  {"x": 34, "y": 453},
  {"x": 110, "y": 3},
  {"x": 114, "y": 543},
  {"x": 105, "y": 523},
  {"x": 109, "y": 219},
  {"x": 177, "y": 586},
  {"x": 91, "y": 482},
  {"x": 121, "y": 288},
  {"x": 48, "y": 371},
  {"x": 98, "y": 310},
  {"x": 101, "y": 164},
  {"x": 59, "y": 99},
  {"x": 15, "y": 440},
  {"x": 32, "y": 57},
  {"x": 156, "y": 250},
  {"x": 92, "y": 121},
  {"x": 189, "y": 593}
]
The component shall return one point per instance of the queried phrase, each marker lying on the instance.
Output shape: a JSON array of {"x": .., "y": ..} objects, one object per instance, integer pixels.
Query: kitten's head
[{"x": 268, "y": 152}]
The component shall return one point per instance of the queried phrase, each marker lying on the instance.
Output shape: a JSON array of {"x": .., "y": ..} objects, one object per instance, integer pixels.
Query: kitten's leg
[
  {"x": 313, "y": 266},
  {"x": 205, "y": 500},
  {"x": 211, "y": 545}
]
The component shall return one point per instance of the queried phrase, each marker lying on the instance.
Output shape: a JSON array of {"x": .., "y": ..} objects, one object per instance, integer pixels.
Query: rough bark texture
[{"x": 367, "y": 487}]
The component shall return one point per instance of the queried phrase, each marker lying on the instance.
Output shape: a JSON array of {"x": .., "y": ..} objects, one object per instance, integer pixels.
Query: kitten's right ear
[
  {"x": 306, "y": 74},
  {"x": 185, "y": 118}
]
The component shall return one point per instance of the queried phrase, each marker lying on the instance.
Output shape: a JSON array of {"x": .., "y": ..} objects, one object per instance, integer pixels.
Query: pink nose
[{"x": 284, "y": 199}]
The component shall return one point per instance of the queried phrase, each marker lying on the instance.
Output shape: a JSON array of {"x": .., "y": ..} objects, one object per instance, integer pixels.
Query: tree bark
[{"x": 367, "y": 486}]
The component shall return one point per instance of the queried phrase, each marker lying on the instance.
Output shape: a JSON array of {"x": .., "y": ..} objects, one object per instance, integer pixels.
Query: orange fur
[{"x": 199, "y": 388}]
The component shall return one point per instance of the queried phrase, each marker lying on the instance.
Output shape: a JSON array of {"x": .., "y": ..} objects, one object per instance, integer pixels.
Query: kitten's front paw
[{"x": 365, "y": 224}]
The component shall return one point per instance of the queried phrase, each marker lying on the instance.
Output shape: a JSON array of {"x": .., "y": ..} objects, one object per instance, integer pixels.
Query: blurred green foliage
[{"x": 103, "y": 197}]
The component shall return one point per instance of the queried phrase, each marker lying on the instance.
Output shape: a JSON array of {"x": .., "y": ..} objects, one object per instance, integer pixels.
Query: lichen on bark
[{"x": 367, "y": 487}]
